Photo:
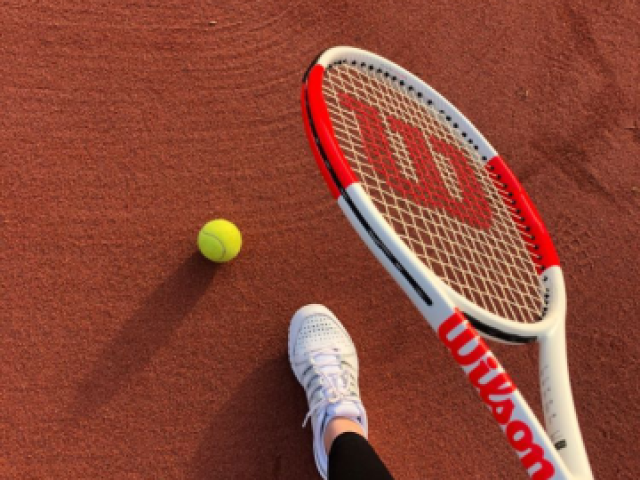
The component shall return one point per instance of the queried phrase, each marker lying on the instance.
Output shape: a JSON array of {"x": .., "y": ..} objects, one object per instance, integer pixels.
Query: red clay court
[{"x": 125, "y": 126}]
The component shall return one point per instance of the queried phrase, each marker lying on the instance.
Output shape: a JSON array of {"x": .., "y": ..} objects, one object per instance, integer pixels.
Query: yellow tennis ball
[{"x": 220, "y": 240}]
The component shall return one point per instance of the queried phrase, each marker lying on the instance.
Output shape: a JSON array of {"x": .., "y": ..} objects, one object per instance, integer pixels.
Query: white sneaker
[{"x": 324, "y": 361}]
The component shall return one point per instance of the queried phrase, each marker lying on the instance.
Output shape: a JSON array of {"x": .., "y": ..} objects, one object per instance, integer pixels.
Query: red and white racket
[{"x": 444, "y": 214}]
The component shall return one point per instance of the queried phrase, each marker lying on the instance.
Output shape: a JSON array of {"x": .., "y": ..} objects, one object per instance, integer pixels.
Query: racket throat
[{"x": 497, "y": 334}]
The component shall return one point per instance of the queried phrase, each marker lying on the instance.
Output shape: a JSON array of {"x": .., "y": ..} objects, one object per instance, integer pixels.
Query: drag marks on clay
[{"x": 577, "y": 145}]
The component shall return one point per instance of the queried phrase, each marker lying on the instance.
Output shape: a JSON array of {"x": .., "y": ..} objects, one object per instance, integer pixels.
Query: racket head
[{"x": 341, "y": 103}]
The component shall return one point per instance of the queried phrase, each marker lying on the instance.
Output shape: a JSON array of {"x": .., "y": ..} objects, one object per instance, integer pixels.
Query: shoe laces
[{"x": 335, "y": 387}]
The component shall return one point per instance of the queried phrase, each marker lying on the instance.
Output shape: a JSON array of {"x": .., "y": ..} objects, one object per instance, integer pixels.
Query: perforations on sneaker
[{"x": 321, "y": 330}]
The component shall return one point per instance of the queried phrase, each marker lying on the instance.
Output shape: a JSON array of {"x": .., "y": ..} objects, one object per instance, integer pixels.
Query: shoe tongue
[
  {"x": 325, "y": 357},
  {"x": 329, "y": 368},
  {"x": 343, "y": 408}
]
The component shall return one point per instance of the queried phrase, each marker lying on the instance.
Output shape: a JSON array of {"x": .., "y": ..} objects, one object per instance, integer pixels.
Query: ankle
[{"x": 338, "y": 426}]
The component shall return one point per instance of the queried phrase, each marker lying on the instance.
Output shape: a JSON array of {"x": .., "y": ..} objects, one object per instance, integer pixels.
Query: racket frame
[{"x": 439, "y": 303}]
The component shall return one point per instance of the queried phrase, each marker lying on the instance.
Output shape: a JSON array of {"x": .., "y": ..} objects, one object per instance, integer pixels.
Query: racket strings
[{"x": 429, "y": 184}]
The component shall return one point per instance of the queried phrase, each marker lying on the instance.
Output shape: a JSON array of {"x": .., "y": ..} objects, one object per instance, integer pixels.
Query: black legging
[{"x": 352, "y": 458}]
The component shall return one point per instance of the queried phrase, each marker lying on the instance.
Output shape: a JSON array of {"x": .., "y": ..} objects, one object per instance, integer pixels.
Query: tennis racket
[{"x": 444, "y": 214}]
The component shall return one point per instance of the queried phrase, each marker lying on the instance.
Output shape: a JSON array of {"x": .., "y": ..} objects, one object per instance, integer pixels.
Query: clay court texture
[{"x": 125, "y": 126}]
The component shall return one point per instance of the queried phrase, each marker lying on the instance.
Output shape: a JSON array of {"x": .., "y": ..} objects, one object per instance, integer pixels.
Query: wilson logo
[
  {"x": 424, "y": 184},
  {"x": 496, "y": 389}
]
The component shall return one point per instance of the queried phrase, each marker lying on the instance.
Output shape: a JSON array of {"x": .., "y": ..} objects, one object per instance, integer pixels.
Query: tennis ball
[{"x": 219, "y": 240}]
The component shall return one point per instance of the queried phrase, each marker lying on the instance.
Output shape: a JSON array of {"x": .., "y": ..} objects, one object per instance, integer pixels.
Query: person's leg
[
  {"x": 352, "y": 458},
  {"x": 336, "y": 427},
  {"x": 325, "y": 363}
]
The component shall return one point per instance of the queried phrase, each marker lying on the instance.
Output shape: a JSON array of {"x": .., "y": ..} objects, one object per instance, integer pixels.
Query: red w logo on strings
[{"x": 429, "y": 189}]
